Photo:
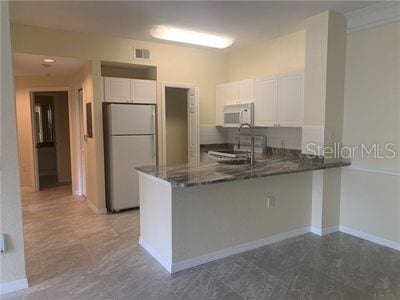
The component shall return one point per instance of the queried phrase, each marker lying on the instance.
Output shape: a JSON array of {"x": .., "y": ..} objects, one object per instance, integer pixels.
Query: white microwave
[{"x": 237, "y": 114}]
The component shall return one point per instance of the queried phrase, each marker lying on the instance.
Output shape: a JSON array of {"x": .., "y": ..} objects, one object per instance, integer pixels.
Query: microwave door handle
[{"x": 241, "y": 117}]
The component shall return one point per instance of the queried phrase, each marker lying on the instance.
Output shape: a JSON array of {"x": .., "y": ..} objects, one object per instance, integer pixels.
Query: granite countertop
[{"x": 212, "y": 172}]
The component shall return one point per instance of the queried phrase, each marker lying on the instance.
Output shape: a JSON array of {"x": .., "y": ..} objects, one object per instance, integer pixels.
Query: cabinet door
[
  {"x": 231, "y": 93},
  {"x": 290, "y": 100},
  {"x": 143, "y": 91},
  {"x": 219, "y": 105},
  {"x": 265, "y": 104},
  {"x": 117, "y": 89},
  {"x": 246, "y": 91}
]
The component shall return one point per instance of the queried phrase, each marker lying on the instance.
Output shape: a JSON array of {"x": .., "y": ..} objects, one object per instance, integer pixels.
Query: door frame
[
  {"x": 188, "y": 86},
  {"x": 81, "y": 189},
  {"x": 34, "y": 152}
]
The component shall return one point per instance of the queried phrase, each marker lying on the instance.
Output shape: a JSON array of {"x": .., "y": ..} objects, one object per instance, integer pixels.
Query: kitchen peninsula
[{"x": 190, "y": 215}]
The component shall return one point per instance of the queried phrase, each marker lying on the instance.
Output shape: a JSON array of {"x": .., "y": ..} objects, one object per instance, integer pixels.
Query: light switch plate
[
  {"x": 2, "y": 243},
  {"x": 270, "y": 201}
]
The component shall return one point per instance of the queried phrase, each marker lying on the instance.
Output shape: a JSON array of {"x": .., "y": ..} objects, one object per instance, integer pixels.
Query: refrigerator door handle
[
  {"x": 154, "y": 149},
  {"x": 153, "y": 118}
]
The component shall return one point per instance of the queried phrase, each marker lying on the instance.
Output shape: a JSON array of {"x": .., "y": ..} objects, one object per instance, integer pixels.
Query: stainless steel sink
[{"x": 232, "y": 157}]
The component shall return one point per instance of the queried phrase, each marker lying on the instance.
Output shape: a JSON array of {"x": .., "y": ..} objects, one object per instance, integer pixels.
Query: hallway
[{"x": 72, "y": 253}]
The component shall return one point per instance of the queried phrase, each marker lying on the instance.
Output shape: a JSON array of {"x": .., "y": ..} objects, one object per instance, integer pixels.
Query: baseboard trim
[
  {"x": 190, "y": 263},
  {"x": 98, "y": 211},
  {"x": 153, "y": 252},
  {"x": 13, "y": 286},
  {"x": 369, "y": 170},
  {"x": 370, "y": 237},
  {"x": 176, "y": 267},
  {"x": 324, "y": 231},
  {"x": 186, "y": 264}
]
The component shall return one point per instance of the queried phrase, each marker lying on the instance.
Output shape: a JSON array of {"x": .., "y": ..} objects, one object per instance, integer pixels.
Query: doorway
[
  {"x": 181, "y": 130},
  {"x": 51, "y": 138},
  {"x": 176, "y": 121}
]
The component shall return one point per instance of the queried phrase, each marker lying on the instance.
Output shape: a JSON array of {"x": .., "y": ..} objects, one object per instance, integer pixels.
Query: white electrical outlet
[{"x": 270, "y": 201}]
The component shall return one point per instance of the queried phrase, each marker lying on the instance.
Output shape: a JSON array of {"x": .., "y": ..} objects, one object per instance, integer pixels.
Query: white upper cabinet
[
  {"x": 291, "y": 100},
  {"x": 117, "y": 89},
  {"x": 278, "y": 100},
  {"x": 219, "y": 105},
  {"x": 128, "y": 90},
  {"x": 231, "y": 93},
  {"x": 143, "y": 91},
  {"x": 246, "y": 91},
  {"x": 236, "y": 92},
  {"x": 265, "y": 104}
]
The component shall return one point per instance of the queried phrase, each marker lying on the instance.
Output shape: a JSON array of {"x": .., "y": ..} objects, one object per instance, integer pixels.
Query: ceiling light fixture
[
  {"x": 49, "y": 60},
  {"x": 191, "y": 37}
]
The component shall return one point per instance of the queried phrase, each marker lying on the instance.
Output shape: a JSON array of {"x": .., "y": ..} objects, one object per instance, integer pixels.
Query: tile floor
[{"x": 72, "y": 253}]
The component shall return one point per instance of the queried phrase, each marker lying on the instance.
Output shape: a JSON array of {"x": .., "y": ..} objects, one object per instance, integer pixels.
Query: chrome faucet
[{"x": 252, "y": 159}]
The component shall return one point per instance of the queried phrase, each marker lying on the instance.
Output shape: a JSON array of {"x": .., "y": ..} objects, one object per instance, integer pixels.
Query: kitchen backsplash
[
  {"x": 211, "y": 134},
  {"x": 283, "y": 137}
]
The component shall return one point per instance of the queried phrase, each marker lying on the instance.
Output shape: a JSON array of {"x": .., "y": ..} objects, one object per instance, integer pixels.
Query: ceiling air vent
[{"x": 141, "y": 53}]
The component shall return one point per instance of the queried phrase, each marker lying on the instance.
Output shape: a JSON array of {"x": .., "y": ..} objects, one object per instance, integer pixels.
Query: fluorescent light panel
[
  {"x": 190, "y": 37},
  {"x": 49, "y": 60}
]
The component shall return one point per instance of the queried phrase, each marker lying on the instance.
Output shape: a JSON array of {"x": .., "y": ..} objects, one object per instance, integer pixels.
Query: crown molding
[{"x": 374, "y": 15}]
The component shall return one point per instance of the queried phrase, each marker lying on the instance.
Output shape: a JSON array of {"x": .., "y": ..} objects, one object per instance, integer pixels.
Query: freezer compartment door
[
  {"x": 126, "y": 153},
  {"x": 128, "y": 119}
]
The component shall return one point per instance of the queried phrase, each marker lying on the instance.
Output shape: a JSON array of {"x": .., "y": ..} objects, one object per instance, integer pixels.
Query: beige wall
[
  {"x": 323, "y": 106},
  {"x": 372, "y": 92},
  {"x": 278, "y": 56},
  {"x": 336, "y": 58},
  {"x": 370, "y": 201},
  {"x": 315, "y": 69},
  {"x": 176, "y": 125},
  {"x": 209, "y": 218},
  {"x": 12, "y": 262}
]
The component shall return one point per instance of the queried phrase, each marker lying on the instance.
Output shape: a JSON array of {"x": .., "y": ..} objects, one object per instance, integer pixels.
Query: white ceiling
[
  {"x": 246, "y": 22},
  {"x": 28, "y": 64}
]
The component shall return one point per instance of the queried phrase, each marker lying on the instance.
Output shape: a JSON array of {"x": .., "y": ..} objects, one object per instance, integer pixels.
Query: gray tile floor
[{"x": 72, "y": 253}]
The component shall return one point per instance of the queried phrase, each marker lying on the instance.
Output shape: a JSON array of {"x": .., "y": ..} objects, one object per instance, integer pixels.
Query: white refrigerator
[{"x": 130, "y": 140}]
